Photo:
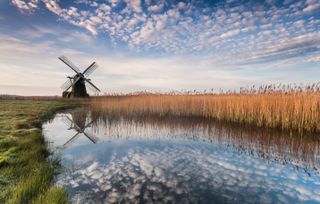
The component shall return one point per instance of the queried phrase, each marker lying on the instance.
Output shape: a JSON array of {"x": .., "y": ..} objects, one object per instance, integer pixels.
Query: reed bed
[{"x": 285, "y": 107}]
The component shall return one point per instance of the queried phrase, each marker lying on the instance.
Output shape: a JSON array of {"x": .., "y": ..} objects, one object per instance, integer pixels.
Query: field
[
  {"x": 25, "y": 171},
  {"x": 295, "y": 110}
]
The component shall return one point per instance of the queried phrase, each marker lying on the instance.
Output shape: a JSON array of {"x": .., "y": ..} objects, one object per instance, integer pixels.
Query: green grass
[{"x": 25, "y": 171}]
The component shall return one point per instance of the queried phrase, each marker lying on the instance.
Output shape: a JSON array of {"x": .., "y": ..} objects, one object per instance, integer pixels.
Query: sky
[{"x": 158, "y": 45}]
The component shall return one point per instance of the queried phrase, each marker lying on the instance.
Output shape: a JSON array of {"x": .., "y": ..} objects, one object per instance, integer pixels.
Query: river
[{"x": 150, "y": 160}]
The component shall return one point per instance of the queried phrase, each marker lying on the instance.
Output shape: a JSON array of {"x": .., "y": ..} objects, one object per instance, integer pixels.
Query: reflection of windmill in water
[{"x": 78, "y": 122}]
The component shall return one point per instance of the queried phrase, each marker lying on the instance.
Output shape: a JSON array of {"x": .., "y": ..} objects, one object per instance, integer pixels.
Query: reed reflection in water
[{"x": 183, "y": 161}]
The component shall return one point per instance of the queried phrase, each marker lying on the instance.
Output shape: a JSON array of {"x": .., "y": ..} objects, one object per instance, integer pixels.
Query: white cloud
[
  {"x": 95, "y": 19},
  {"x": 313, "y": 58},
  {"x": 161, "y": 21},
  {"x": 173, "y": 13},
  {"x": 134, "y": 5},
  {"x": 146, "y": 30},
  {"x": 181, "y": 5},
  {"x": 89, "y": 26},
  {"x": 29, "y": 6},
  {"x": 290, "y": 48},
  {"x": 156, "y": 8},
  {"x": 312, "y": 5},
  {"x": 53, "y": 6},
  {"x": 73, "y": 12},
  {"x": 230, "y": 33},
  {"x": 113, "y": 2}
]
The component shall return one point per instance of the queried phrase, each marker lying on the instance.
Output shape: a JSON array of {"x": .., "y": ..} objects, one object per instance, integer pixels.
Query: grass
[
  {"x": 292, "y": 108},
  {"x": 25, "y": 171}
]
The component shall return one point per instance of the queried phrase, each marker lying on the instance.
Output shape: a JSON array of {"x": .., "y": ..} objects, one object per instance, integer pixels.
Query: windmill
[
  {"x": 78, "y": 82},
  {"x": 79, "y": 123}
]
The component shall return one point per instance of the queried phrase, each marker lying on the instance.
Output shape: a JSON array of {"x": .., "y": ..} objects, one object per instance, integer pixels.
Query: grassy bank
[
  {"x": 25, "y": 172},
  {"x": 297, "y": 111}
]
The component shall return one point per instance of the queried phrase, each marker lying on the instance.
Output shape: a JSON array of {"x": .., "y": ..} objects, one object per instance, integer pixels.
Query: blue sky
[{"x": 158, "y": 45}]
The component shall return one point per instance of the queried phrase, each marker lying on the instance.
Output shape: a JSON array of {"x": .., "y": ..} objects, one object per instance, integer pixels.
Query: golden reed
[{"x": 286, "y": 108}]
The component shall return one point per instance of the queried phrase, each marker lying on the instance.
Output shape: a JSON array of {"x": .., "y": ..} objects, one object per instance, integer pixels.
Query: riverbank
[{"x": 25, "y": 171}]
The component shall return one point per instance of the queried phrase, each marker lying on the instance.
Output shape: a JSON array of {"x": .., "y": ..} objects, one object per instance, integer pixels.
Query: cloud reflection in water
[{"x": 173, "y": 162}]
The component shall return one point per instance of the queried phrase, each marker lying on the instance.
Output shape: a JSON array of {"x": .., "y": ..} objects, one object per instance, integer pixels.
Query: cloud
[
  {"x": 134, "y": 5},
  {"x": 113, "y": 2},
  {"x": 181, "y": 5},
  {"x": 53, "y": 6},
  {"x": 29, "y": 6},
  {"x": 161, "y": 21},
  {"x": 89, "y": 25},
  {"x": 182, "y": 28},
  {"x": 296, "y": 47},
  {"x": 312, "y": 5},
  {"x": 230, "y": 33},
  {"x": 313, "y": 58}
]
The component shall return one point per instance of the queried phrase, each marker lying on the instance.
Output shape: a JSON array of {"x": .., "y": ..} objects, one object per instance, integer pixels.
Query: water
[{"x": 127, "y": 160}]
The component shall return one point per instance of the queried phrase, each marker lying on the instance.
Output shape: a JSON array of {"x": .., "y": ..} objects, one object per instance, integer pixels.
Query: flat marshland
[
  {"x": 25, "y": 171},
  {"x": 296, "y": 110}
]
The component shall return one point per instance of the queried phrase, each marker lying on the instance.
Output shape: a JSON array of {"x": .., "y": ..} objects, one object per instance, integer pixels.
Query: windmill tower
[{"x": 78, "y": 82}]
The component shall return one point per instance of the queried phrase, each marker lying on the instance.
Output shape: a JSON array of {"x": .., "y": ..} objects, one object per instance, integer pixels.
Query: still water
[{"x": 130, "y": 160}]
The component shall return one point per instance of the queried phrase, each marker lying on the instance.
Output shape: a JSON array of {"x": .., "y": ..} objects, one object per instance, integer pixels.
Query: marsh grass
[
  {"x": 290, "y": 108},
  {"x": 25, "y": 171}
]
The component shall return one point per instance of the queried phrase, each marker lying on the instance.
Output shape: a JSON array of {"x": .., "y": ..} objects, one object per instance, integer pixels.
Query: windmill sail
[
  {"x": 92, "y": 86},
  {"x": 91, "y": 137},
  {"x": 66, "y": 121},
  {"x": 70, "y": 64},
  {"x": 66, "y": 85},
  {"x": 69, "y": 142},
  {"x": 90, "y": 69}
]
